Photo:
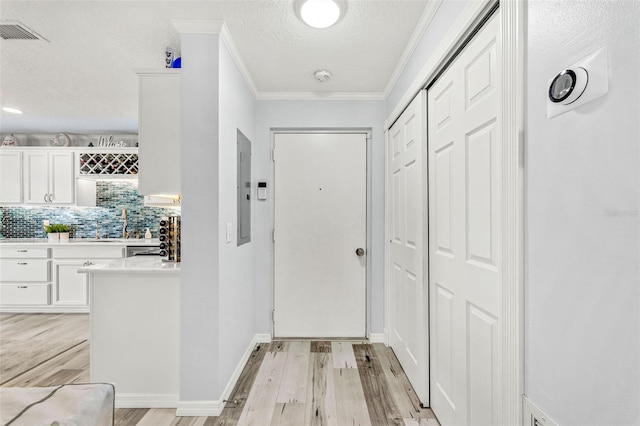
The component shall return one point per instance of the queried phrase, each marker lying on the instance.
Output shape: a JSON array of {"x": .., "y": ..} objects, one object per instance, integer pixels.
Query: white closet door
[
  {"x": 408, "y": 332},
  {"x": 320, "y": 222},
  {"x": 464, "y": 235}
]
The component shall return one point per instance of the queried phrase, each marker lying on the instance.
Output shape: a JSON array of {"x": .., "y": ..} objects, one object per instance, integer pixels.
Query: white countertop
[
  {"x": 80, "y": 241},
  {"x": 138, "y": 264}
]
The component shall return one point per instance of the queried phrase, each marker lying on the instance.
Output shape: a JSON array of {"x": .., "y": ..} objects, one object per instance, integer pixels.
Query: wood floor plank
[
  {"x": 288, "y": 414},
  {"x": 400, "y": 388},
  {"x": 293, "y": 387},
  {"x": 382, "y": 409},
  {"x": 421, "y": 422},
  {"x": 42, "y": 374},
  {"x": 262, "y": 399},
  {"x": 332, "y": 395},
  {"x": 321, "y": 400},
  {"x": 279, "y": 346},
  {"x": 350, "y": 401},
  {"x": 321, "y": 346},
  {"x": 158, "y": 417},
  {"x": 189, "y": 421},
  {"x": 342, "y": 353},
  {"x": 128, "y": 416}
]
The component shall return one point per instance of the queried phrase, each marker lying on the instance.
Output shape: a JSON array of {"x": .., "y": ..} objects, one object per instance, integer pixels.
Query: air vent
[{"x": 14, "y": 30}]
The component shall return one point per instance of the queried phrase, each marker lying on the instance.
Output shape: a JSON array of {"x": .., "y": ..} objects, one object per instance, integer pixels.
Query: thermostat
[
  {"x": 262, "y": 191},
  {"x": 578, "y": 84}
]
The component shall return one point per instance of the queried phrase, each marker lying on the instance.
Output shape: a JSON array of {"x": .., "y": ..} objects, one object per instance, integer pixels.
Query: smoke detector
[
  {"x": 14, "y": 30},
  {"x": 322, "y": 76}
]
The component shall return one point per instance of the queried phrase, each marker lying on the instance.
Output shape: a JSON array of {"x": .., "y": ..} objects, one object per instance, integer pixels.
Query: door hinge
[
  {"x": 273, "y": 155},
  {"x": 273, "y": 316},
  {"x": 273, "y": 235}
]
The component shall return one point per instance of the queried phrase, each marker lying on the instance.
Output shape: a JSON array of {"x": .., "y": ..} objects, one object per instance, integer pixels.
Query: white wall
[
  {"x": 237, "y": 264},
  {"x": 199, "y": 279},
  {"x": 582, "y": 298},
  {"x": 313, "y": 115}
]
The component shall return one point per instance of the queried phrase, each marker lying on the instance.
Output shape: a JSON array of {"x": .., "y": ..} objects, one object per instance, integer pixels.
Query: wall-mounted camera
[{"x": 578, "y": 84}]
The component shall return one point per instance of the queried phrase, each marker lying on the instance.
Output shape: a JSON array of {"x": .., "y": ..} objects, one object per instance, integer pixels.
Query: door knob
[{"x": 360, "y": 251}]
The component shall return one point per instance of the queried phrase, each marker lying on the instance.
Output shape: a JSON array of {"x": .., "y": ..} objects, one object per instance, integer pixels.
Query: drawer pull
[
  {"x": 22, "y": 263},
  {"x": 23, "y": 286},
  {"x": 23, "y": 251}
]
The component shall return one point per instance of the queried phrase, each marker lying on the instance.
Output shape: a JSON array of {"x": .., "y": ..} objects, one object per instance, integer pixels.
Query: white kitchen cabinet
[
  {"x": 24, "y": 277},
  {"x": 44, "y": 278},
  {"x": 70, "y": 288},
  {"x": 159, "y": 132},
  {"x": 10, "y": 176},
  {"x": 49, "y": 177}
]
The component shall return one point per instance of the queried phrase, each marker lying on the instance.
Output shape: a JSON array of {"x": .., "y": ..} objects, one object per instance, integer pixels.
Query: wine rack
[
  {"x": 108, "y": 164},
  {"x": 170, "y": 239}
]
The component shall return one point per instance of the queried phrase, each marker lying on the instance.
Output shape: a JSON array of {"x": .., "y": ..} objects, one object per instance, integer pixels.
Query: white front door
[
  {"x": 320, "y": 222},
  {"x": 408, "y": 331},
  {"x": 464, "y": 235}
]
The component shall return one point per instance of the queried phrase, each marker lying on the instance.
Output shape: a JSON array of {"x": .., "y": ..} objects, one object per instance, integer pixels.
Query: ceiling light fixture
[
  {"x": 12, "y": 110},
  {"x": 320, "y": 13}
]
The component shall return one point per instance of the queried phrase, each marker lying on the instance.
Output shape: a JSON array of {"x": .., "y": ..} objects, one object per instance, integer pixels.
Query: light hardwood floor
[{"x": 289, "y": 382}]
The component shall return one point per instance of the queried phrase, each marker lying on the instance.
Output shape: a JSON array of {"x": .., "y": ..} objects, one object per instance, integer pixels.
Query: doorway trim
[
  {"x": 513, "y": 38},
  {"x": 369, "y": 188}
]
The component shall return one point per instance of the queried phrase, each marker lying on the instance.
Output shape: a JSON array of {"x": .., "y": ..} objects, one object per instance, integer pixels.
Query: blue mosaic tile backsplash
[{"x": 111, "y": 198}]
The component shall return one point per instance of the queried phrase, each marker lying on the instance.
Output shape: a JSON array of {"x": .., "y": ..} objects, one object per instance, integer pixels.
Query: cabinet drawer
[
  {"x": 24, "y": 270},
  {"x": 24, "y": 294},
  {"x": 24, "y": 252},
  {"x": 93, "y": 252}
]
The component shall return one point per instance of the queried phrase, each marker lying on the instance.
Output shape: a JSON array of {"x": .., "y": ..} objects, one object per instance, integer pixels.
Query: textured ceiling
[{"x": 82, "y": 79}]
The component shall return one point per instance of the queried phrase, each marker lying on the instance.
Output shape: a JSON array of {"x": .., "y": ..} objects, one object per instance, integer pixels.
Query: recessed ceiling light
[
  {"x": 12, "y": 110},
  {"x": 320, "y": 13}
]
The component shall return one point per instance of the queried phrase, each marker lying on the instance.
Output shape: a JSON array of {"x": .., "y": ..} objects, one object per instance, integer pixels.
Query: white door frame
[
  {"x": 368, "y": 132},
  {"x": 513, "y": 36}
]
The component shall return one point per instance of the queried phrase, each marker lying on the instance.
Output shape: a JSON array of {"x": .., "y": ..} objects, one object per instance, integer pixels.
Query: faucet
[
  {"x": 97, "y": 230},
  {"x": 125, "y": 233}
]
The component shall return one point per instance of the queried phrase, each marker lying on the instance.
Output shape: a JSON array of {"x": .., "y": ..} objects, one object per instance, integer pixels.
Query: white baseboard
[
  {"x": 199, "y": 408},
  {"x": 258, "y": 338},
  {"x": 376, "y": 337},
  {"x": 143, "y": 400},
  {"x": 214, "y": 408},
  {"x": 47, "y": 309}
]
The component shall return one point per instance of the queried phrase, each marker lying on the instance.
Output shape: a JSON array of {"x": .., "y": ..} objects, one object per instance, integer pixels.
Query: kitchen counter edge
[
  {"x": 129, "y": 265},
  {"x": 79, "y": 242}
]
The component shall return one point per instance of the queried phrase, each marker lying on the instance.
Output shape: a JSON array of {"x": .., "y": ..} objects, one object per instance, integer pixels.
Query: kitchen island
[{"x": 134, "y": 330}]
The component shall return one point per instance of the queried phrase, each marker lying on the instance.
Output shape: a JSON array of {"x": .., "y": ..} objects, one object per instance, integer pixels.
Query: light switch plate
[{"x": 229, "y": 232}]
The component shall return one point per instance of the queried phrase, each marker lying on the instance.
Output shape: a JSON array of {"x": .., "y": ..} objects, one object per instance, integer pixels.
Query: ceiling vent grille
[{"x": 14, "y": 30}]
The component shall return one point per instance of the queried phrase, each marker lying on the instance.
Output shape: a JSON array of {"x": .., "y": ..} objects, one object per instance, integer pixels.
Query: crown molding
[
  {"x": 321, "y": 96},
  {"x": 423, "y": 23},
  {"x": 232, "y": 48}
]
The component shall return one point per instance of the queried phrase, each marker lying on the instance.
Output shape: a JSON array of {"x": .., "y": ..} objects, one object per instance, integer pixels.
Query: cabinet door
[
  {"x": 159, "y": 133},
  {"x": 61, "y": 177},
  {"x": 10, "y": 176},
  {"x": 36, "y": 181},
  {"x": 69, "y": 287}
]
